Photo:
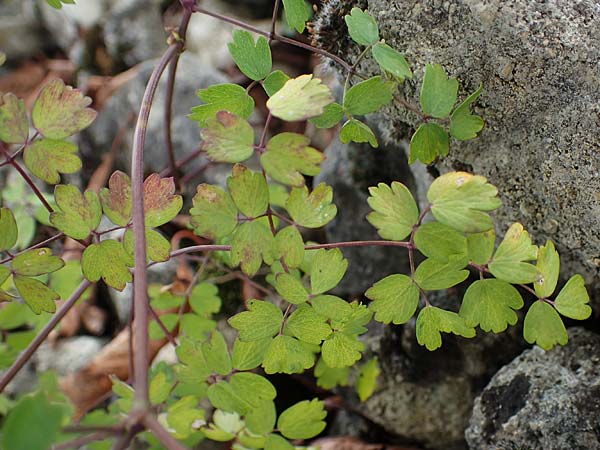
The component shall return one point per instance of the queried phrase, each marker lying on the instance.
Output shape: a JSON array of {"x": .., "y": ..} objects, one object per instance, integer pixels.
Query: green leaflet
[
  {"x": 160, "y": 388},
  {"x": 158, "y": 248},
  {"x": 491, "y": 304},
  {"x": 362, "y": 27},
  {"x": 9, "y": 232},
  {"x": 253, "y": 59},
  {"x": 36, "y": 262},
  {"x": 181, "y": 416},
  {"x": 395, "y": 299},
  {"x": 289, "y": 246},
  {"x": 432, "y": 321},
  {"x": 59, "y": 3},
  {"x": 297, "y": 12},
  {"x": 291, "y": 288},
  {"x": 368, "y": 96},
  {"x": 299, "y": 99},
  {"x": 328, "y": 378},
  {"x": 288, "y": 156},
  {"x": 249, "y": 355},
  {"x": 216, "y": 354},
  {"x": 573, "y": 299},
  {"x": 14, "y": 126},
  {"x": 543, "y": 326},
  {"x": 275, "y": 442},
  {"x": 331, "y": 307},
  {"x": 367, "y": 379},
  {"x": 287, "y": 355},
  {"x": 275, "y": 81},
  {"x": 438, "y": 241},
  {"x": 251, "y": 243},
  {"x": 312, "y": 210},
  {"x": 391, "y": 61},
  {"x": 222, "y": 97},
  {"x": 304, "y": 420},
  {"x": 214, "y": 215},
  {"x": 61, "y": 111},
  {"x": 328, "y": 269},
  {"x": 77, "y": 215},
  {"x": 242, "y": 393},
  {"x": 356, "y": 131},
  {"x": 438, "y": 93},
  {"x": 261, "y": 419},
  {"x": 107, "y": 260},
  {"x": 395, "y": 211},
  {"x": 433, "y": 274},
  {"x": 262, "y": 320},
  {"x": 481, "y": 246},
  {"x": 463, "y": 124},
  {"x": 332, "y": 115},
  {"x": 36, "y": 294},
  {"x": 548, "y": 265},
  {"x": 341, "y": 350},
  {"x": 249, "y": 191},
  {"x": 307, "y": 325},
  {"x": 228, "y": 138},
  {"x": 508, "y": 261},
  {"x": 161, "y": 204},
  {"x": 429, "y": 141},
  {"x": 48, "y": 158}
]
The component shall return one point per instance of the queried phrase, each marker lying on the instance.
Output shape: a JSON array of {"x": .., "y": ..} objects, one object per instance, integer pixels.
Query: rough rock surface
[
  {"x": 539, "y": 63},
  {"x": 543, "y": 400},
  {"x": 20, "y": 33}
]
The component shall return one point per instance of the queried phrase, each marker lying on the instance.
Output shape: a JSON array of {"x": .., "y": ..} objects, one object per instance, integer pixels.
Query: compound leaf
[
  {"x": 288, "y": 156},
  {"x": 356, "y": 131},
  {"x": 548, "y": 265},
  {"x": 77, "y": 215},
  {"x": 222, "y": 97},
  {"x": 249, "y": 191},
  {"x": 395, "y": 299},
  {"x": 395, "y": 211},
  {"x": 14, "y": 127},
  {"x": 391, "y": 61},
  {"x": 438, "y": 93},
  {"x": 368, "y": 96},
  {"x": 433, "y": 274},
  {"x": 8, "y": 230},
  {"x": 332, "y": 307},
  {"x": 341, "y": 350},
  {"x": 491, "y": 304},
  {"x": 300, "y": 99},
  {"x": 544, "y": 327},
  {"x": 508, "y": 261},
  {"x": 573, "y": 299},
  {"x": 304, "y": 420},
  {"x": 296, "y": 14},
  {"x": 328, "y": 269},
  {"x": 308, "y": 326},
  {"x": 250, "y": 244},
  {"x": 312, "y": 210},
  {"x": 161, "y": 205},
  {"x": 48, "y": 158},
  {"x": 429, "y": 141},
  {"x": 367, "y": 379},
  {"x": 463, "y": 124},
  {"x": 36, "y": 294},
  {"x": 332, "y": 114},
  {"x": 61, "y": 111},
  {"x": 36, "y": 262},
  {"x": 275, "y": 442},
  {"x": 253, "y": 59},
  {"x": 262, "y": 320},
  {"x": 433, "y": 321},
  {"x": 461, "y": 201},
  {"x": 287, "y": 355},
  {"x": 438, "y": 241},
  {"x": 362, "y": 27},
  {"x": 213, "y": 215},
  {"x": 117, "y": 199},
  {"x": 228, "y": 138},
  {"x": 107, "y": 260}
]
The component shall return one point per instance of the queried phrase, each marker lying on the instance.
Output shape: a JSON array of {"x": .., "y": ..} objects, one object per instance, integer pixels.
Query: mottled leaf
[
  {"x": 395, "y": 211},
  {"x": 36, "y": 262},
  {"x": 36, "y": 294},
  {"x": 14, "y": 126},
  {"x": 249, "y": 191},
  {"x": 250, "y": 244},
  {"x": 312, "y": 210},
  {"x": 262, "y": 320},
  {"x": 214, "y": 215},
  {"x": 307, "y": 325},
  {"x": 77, "y": 215},
  {"x": 395, "y": 299},
  {"x": 161, "y": 204},
  {"x": 48, "y": 158},
  {"x": 222, "y": 97},
  {"x": 228, "y": 138},
  {"x": 117, "y": 199},
  {"x": 300, "y": 99},
  {"x": 107, "y": 260}
]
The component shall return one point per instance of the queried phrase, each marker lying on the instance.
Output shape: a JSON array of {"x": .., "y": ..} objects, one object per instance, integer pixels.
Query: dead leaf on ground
[{"x": 352, "y": 443}]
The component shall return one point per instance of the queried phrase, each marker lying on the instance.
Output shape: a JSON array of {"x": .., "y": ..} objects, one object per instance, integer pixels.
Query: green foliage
[
  {"x": 107, "y": 260},
  {"x": 59, "y": 3},
  {"x": 303, "y": 420},
  {"x": 359, "y": 132},
  {"x": 14, "y": 127},
  {"x": 463, "y": 124},
  {"x": 312, "y": 210},
  {"x": 253, "y": 58},
  {"x": 48, "y": 158},
  {"x": 543, "y": 326},
  {"x": 391, "y": 61},
  {"x": 367, "y": 379},
  {"x": 77, "y": 214},
  {"x": 368, "y": 96},
  {"x": 299, "y": 99},
  {"x": 433, "y": 321},
  {"x": 395, "y": 211},
  {"x": 508, "y": 261},
  {"x": 228, "y": 138},
  {"x": 429, "y": 141},
  {"x": 395, "y": 299},
  {"x": 297, "y": 12},
  {"x": 222, "y": 97},
  {"x": 362, "y": 27}
]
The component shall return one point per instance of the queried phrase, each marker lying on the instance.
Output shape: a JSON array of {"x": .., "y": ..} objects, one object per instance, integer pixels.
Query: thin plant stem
[
  {"x": 161, "y": 434},
  {"x": 33, "y": 247},
  {"x": 163, "y": 327},
  {"x": 83, "y": 440},
  {"x": 359, "y": 244},
  {"x": 43, "y": 334}
]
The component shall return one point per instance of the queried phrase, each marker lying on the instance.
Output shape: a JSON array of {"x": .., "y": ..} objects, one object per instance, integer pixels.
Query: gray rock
[
  {"x": 539, "y": 63},
  {"x": 20, "y": 32},
  {"x": 67, "y": 355},
  {"x": 543, "y": 400}
]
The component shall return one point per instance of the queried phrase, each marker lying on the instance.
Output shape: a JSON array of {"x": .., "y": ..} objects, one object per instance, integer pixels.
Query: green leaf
[
  {"x": 548, "y": 265},
  {"x": 341, "y": 350},
  {"x": 507, "y": 263},
  {"x": 481, "y": 246},
  {"x": 262, "y": 320},
  {"x": 287, "y": 355},
  {"x": 461, "y": 201},
  {"x": 433, "y": 321},
  {"x": 433, "y": 274},
  {"x": 491, "y": 304},
  {"x": 356, "y": 131},
  {"x": 160, "y": 388},
  {"x": 289, "y": 246},
  {"x": 58, "y": 3},
  {"x": 261, "y": 419},
  {"x": 251, "y": 243},
  {"x": 308, "y": 326},
  {"x": 288, "y": 156},
  {"x": 543, "y": 326},
  {"x": 32, "y": 413},
  {"x": 291, "y": 288},
  {"x": 48, "y": 158},
  {"x": 463, "y": 124},
  {"x": 4, "y": 274},
  {"x": 228, "y": 138},
  {"x": 297, "y": 13},
  {"x": 304, "y": 420},
  {"x": 14, "y": 126},
  {"x": 181, "y": 416},
  {"x": 391, "y": 61},
  {"x": 395, "y": 299},
  {"x": 214, "y": 215},
  {"x": 196, "y": 327},
  {"x": 223, "y": 396},
  {"x": 253, "y": 59},
  {"x": 312, "y": 210},
  {"x": 438, "y": 93},
  {"x": 249, "y": 355},
  {"x": 107, "y": 260},
  {"x": 36, "y": 294},
  {"x": 300, "y": 99},
  {"x": 429, "y": 141},
  {"x": 332, "y": 115},
  {"x": 249, "y": 191},
  {"x": 216, "y": 354},
  {"x": 169, "y": 320},
  {"x": 222, "y": 97},
  {"x": 275, "y": 442},
  {"x": 117, "y": 199},
  {"x": 328, "y": 378},
  {"x": 204, "y": 299},
  {"x": 331, "y": 307},
  {"x": 36, "y": 262},
  {"x": 395, "y": 211},
  {"x": 77, "y": 215},
  {"x": 61, "y": 111},
  {"x": 8, "y": 230},
  {"x": 158, "y": 248},
  {"x": 367, "y": 379},
  {"x": 368, "y": 96},
  {"x": 573, "y": 299},
  {"x": 328, "y": 269},
  {"x": 161, "y": 205},
  {"x": 275, "y": 81},
  {"x": 362, "y": 27},
  {"x": 438, "y": 241}
]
